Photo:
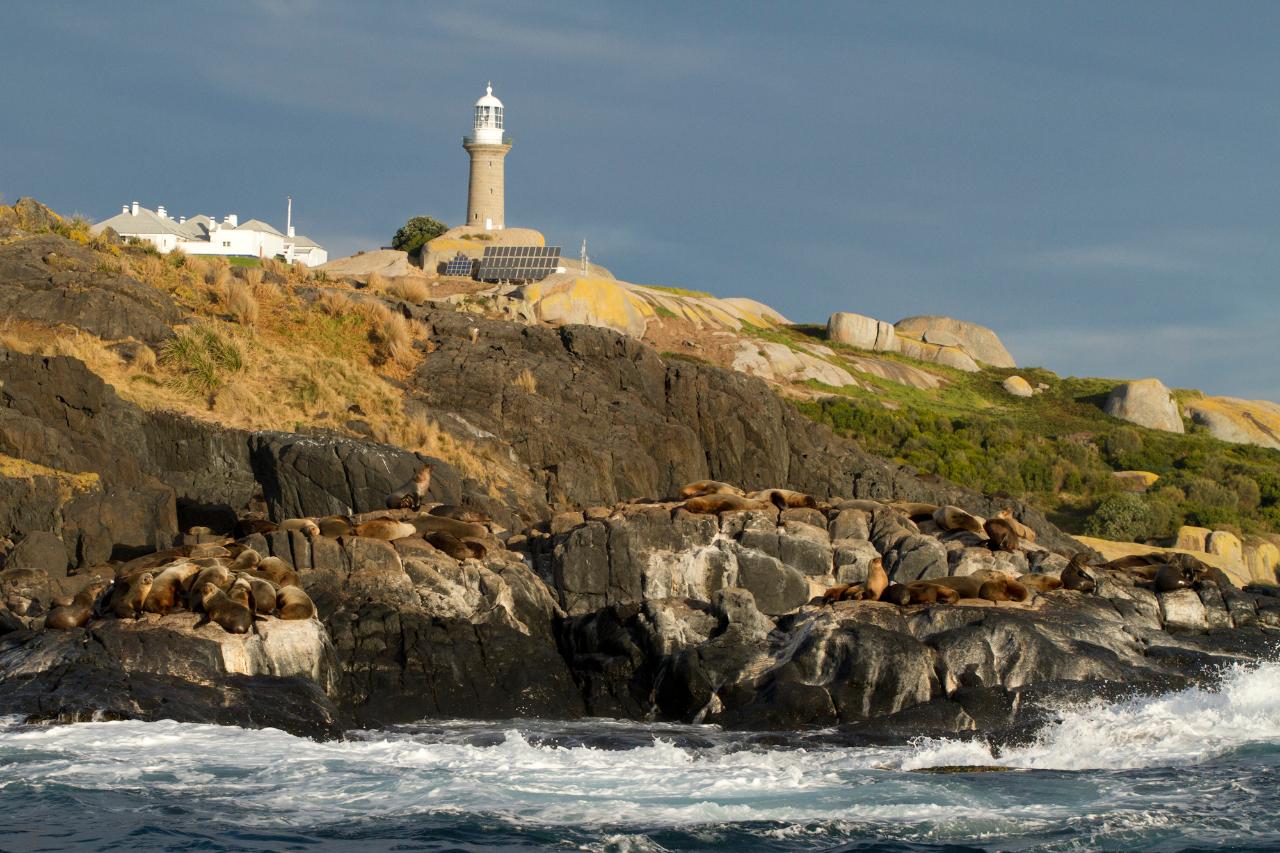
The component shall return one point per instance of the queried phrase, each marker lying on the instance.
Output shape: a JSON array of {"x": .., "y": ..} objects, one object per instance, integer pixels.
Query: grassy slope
[{"x": 1057, "y": 449}]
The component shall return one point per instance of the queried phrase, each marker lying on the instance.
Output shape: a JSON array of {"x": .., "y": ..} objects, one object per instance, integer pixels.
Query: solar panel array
[
  {"x": 459, "y": 264},
  {"x": 518, "y": 263}
]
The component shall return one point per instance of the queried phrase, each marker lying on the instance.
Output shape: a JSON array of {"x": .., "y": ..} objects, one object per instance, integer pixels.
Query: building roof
[
  {"x": 257, "y": 225},
  {"x": 145, "y": 222},
  {"x": 488, "y": 100},
  {"x": 301, "y": 242}
]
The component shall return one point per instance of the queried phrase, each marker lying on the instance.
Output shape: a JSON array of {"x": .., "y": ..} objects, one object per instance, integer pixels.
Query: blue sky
[{"x": 1095, "y": 181}]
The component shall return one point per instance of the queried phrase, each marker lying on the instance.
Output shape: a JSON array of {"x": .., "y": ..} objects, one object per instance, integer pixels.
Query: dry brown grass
[
  {"x": 241, "y": 301},
  {"x": 527, "y": 381},
  {"x": 376, "y": 282},
  {"x": 301, "y": 272},
  {"x": 335, "y": 303},
  {"x": 409, "y": 289}
]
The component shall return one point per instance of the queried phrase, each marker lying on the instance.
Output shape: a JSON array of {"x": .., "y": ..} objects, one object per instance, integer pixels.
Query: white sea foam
[{"x": 267, "y": 777}]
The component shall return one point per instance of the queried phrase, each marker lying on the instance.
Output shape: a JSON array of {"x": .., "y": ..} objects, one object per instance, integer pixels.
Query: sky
[{"x": 1096, "y": 181}]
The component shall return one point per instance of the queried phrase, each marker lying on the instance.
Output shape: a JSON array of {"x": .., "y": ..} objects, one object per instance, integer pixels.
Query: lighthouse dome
[{"x": 489, "y": 119}]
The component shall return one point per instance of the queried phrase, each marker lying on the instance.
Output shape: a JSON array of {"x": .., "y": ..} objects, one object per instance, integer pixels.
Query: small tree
[
  {"x": 416, "y": 233},
  {"x": 1122, "y": 517}
]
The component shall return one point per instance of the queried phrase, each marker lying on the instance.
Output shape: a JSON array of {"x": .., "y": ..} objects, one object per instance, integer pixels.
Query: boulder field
[{"x": 638, "y": 610}]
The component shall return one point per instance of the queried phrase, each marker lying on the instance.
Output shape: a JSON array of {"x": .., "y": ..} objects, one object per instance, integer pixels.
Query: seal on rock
[
  {"x": 914, "y": 509},
  {"x": 459, "y": 513},
  {"x": 410, "y": 495},
  {"x": 426, "y": 525},
  {"x": 293, "y": 603},
  {"x": 335, "y": 526},
  {"x": 385, "y": 528},
  {"x": 1026, "y": 534},
  {"x": 277, "y": 571},
  {"x": 1040, "y": 583},
  {"x": 264, "y": 594},
  {"x": 249, "y": 526},
  {"x": 784, "y": 498},
  {"x": 231, "y": 615},
  {"x": 169, "y": 588},
  {"x": 951, "y": 518},
  {"x": 216, "y": 575},
  {"x": 246, "y": 559},
  {"x": 702, "y": 488},
  {"x": 1076, "y": 577},
  {"x": 713, "y": 504},
  {"x": 896, "y": 593},
  {"x": 241, "y": 592},
  {"x": 1000, "y": 535},
  {"x": 877, "y": 579},
  {"x": 1169, "y": 578},
  {"x": 928, "y": 592},
  {"x": 77, "y": 613},
  {"x": 129, "y": 594},
  {"x": 1001, "y": 587},
  {"x": 302, "y": 525}
]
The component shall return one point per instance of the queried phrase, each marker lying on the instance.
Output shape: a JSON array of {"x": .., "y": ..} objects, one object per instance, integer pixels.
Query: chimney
[
  {"x": 182, "y": 220},
  {"x": 160, "y": 212},
  {"x": 231, "y": 219},
  {"x": 288, "y": 218},
  {"x": 124, "y": 208},
  {"x": 135, "y": 209}
]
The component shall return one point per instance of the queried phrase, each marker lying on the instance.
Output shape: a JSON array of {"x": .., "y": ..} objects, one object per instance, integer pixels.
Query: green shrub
[
  {"x": 1123, "y": 517},
  {"x": 201, "y": 359},
  {"x": 416, "y": 233}
]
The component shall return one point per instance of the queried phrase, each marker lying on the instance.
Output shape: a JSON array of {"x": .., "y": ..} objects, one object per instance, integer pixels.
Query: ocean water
[{"x": 1193, "y": 770}]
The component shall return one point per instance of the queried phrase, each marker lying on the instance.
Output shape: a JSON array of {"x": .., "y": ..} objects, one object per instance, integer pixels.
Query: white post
[{"x": 288, "y": 217}]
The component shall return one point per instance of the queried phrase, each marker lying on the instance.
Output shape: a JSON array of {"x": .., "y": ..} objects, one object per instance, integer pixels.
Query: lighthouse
[{"x": 488, "y": 150}]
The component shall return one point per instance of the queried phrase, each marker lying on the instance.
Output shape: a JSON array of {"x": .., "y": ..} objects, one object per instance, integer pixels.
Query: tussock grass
[
  {"x": 201, "y": 358},
  {"x": 526, "y": 381},
  {"x": 409, "y": 289},
  {"x": 241, "y": 302},
  {"x": 376, "y": 282}
]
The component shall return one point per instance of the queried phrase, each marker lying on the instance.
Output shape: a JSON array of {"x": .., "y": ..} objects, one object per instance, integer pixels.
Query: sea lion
[
  {"x": 335, "y": 526},
  {"x": 1001, "y": 587},
  {"x": 842, "y": 592},
  {"x": 1026, "y": 534},
  {"x": 708, "y": 487},
  {"x": 410, "y": 495},
  {"x": 896, "y": 593},
  {"x": 249, "y": 526},
  {"x": 216, "y": 575},
  {"x": 246, "y": 559},
  {"x": 264, "y": 594},
  {"x": 928, "y": 592},
  {"x": 914, "y": 509},
  {"x": 241, "y": 592},
  {"x": 387, "y": 529},
  {"x": 128, "y": 604},
  {"x": 426, "y": 525},
  {"x": 1076, "y": 577},
  {"x": 784, "y": 498},
  {"x": 277, "y": 571},
  {"x": 459, "y": 513},
  {"x": 966, "y": 586},
  {"x": 1040, "y": 583},
  {"x": 293, "y": 603},
  {"x": 1000, "y": 535},
  {"x": 234, "y": 617},
  {"x": 1169, "y": 578},
  {"x": 860, "y": 503},
  {"x": 714, "y": 504},
  {"x": 954, "y": 518},
  {"x": 454, "y": 547},
  {"x": 877, "y": 580},
  {"x": 306, "y": 526},
  {"x": 77, "y": 612},
  {"x": 168, "y": 590}
]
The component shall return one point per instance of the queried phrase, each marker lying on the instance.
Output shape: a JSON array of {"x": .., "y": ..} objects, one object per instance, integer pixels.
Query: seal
[
  {"x": 966, "y": 586},
  {"x": 277, "y": 571},
  {"x": 410, "y": 495},
  {"x": 264, "y": 594},
  {"x": 232, "y": 616},
  {"x": 216, "y": 575},
  {"x": 426, "y": 525},
  {"x": 702, "y": 488},
  {"x": 896, "y": 593},
  {"x": 860, "y": 503},
  {"x": 294, "y": 603},
  {"x": 336, "y": 526},
  {"x": 306, "y": 526},
  {"x": 458, "y": 549},
  {"x": 246, "y": 559},
  {"x": 914, "y": 509},
  {"x": 1026, "y": 534},
  {"x": 1000, "y": 535},
  {"x": 1169, "y": 578},
  {"x": 1040, "y": 583},
  {"x": 128, "y": 604},
  {"x": 241, "y": 592},
  {"x": 842, "y": 592},
  {"x": 784, "y": 498},
  {"x": 1076, "y": 577},
  {"x": 1001, "y": 587},
  {"x": 928, "y": 592},
  {"x": 459, "y": 513},
  {"x": 77, "y": 613},
  {"x": 168, "y": 590},
  {"x": 387, "y": 529},
  {"x": 951, "y": 518},
  {"x": 713, "y": 504},
  {"x": 877, "y": 579}
]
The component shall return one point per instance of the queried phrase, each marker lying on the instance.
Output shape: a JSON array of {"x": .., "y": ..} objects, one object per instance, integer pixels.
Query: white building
[{"x": 203, "y": 235}]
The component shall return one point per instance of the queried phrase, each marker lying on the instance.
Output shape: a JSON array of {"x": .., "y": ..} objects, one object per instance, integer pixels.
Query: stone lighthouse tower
[{"x": 488, "y": 150}]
